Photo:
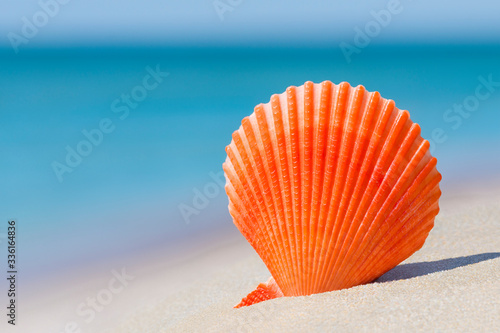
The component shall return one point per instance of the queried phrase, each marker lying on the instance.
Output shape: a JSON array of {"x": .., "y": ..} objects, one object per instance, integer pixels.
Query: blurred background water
[{"x": 127, "y": 196}]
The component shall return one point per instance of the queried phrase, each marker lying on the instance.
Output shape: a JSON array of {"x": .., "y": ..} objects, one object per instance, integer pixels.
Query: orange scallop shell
[{"x": 332, "y": 185}]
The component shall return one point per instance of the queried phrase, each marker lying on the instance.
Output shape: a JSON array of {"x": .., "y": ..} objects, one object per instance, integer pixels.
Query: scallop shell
[{"x": 332, "y": 186}]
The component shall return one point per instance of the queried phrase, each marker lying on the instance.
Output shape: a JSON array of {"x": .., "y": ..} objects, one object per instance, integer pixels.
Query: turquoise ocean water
[{"x": 162, "y": 147}]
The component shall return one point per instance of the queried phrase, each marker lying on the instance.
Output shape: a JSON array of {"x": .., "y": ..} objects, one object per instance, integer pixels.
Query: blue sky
[{"x": 289, "y": 22}]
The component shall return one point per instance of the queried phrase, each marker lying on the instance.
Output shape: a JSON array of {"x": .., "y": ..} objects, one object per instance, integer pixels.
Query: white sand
[{"x": 451, "y": 285}]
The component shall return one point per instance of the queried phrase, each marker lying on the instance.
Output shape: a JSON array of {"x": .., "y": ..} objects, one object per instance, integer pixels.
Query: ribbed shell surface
[{"x": 332, "y": 186}]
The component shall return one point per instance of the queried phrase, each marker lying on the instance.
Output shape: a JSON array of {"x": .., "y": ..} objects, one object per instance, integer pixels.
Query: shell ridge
[
  {"x": 251, "y": 128},
  {"x": 318, "y": 139},
  {"x": 378, "y": 186},
  {"x": 420, "y": 232},
  {"x": 236, "y": 215},
  {"x": 306, "y": 159},
  {"x": 367, "y": 119},
  {"x": 368, "y": 104},
  {"x": 284, "y": 182},
  {"x": 252, "y": 195},
  {"x": 322, "y": 118},
  {"x": 254, "y": 146},
  {"x": 427, "y": 190},
  {"x": 335, "y": 104},
  {"x": 383, "y": 121},
  {"x": 233, "y": 192},
  {"x": 413, "y": 168},
  {"x": 290, "y": 100},
  {"x": 347, "y": 107},
  {"x": 246, "y": 203},
  {"x": 265, "y": 122},
  {"x": 398, "y": 179}
]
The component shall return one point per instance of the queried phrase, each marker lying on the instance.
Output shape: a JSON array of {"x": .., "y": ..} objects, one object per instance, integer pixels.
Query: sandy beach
[{"x": 451, "y": 285}]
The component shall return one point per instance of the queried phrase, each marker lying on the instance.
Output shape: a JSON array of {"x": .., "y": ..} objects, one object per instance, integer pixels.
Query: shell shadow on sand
[{"x": 408, "y": 271}]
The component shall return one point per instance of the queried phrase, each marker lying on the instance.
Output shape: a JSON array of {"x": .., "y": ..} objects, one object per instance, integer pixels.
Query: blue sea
[{"x": 160, "y": 119}]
